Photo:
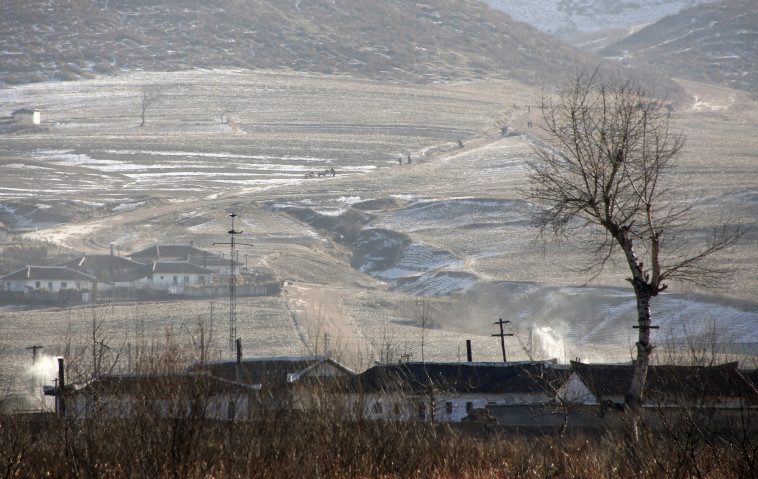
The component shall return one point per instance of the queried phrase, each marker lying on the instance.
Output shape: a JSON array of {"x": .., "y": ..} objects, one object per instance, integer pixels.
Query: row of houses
[
  {"x": 519, "y": 394},
  {"x": 159, "y": 267}
]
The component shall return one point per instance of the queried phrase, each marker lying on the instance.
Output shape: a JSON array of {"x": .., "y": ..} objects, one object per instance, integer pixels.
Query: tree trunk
[{"x": 633, "y": 399}]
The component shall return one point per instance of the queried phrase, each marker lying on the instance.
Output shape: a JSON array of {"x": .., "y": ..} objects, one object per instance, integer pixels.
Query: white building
[
  {"x": 171, "y": 276},
  {"x": 25, "y": 115},
  {"x": 47, "y": 278}
]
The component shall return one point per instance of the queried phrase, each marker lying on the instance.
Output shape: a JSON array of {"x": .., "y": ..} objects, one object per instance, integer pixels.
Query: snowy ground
[{"x": 360, "y": 249}]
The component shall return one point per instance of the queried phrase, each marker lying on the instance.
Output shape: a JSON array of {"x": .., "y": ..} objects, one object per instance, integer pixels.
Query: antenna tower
[{"x": 232, "y": 285}]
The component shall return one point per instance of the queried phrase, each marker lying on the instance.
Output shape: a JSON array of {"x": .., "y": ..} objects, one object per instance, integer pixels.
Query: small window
[
  {"x": 176, "y": 280},
  {"x": 162, "y": 277},
  {"x": 186, "y": 280},
  {"x": 469, "y": 406},
  {"x": 64, "y": 285},
  {"x": 378, "y": 408},
  {"x": 36, "y": 285},
  {"x": 230, "y": 410},
  {"x": 449, "y": 408},
  {"x": 201, "y": 279},
  {"x": 421, "y": 412},
  {"x": 78, "y": 285},
  {"x": 50, "y": 285}
]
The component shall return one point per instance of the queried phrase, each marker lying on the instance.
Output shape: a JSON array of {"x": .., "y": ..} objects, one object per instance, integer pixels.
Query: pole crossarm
[{"x": 502, "y": 336}]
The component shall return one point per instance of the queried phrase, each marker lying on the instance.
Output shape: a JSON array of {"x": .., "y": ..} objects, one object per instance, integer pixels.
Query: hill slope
[
  {"x": 395, "y": 40},
  {"x": 713, "y": 43},
  {"x": 570, "y": 17}
]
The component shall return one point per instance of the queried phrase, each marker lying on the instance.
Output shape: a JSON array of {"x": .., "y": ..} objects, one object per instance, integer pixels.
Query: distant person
[
  {"x": 504, "y": 130},
  {"x": 399, "y": 160},
  {"x": 460, "y": 143},
  {"x": 409, "y": 159},
  {"x": 331, "y": 170}
]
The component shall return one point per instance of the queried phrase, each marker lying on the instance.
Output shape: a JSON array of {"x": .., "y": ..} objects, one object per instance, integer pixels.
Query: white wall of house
[
  {"x": 442, "y": 407},
  {"x": 575, "y": 391},
  {"x": 30, "y": 116},
  {"x": 169, "y": 281},
  {"x": 54, "y": 285}
]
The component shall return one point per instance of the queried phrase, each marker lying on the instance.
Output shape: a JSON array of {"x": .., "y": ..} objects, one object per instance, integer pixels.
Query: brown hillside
[
  {"x": 713, "y": 43},
  {"x": 392, "y": 40}
]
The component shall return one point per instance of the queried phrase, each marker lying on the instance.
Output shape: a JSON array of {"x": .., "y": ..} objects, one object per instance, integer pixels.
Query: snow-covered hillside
[{"x": 563, "y": 18}]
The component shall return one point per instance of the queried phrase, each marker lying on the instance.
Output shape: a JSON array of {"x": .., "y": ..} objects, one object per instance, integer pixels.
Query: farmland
[{"x": 358, "y": 250}]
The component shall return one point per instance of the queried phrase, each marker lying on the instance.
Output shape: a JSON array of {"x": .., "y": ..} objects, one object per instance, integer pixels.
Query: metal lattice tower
[{"x": 232, "y": 285}]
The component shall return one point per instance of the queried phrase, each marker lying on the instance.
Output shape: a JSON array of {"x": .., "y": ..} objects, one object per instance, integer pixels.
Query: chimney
[
  {"x": 61, "y": 384},
  {"x": 468, "y": 350}
]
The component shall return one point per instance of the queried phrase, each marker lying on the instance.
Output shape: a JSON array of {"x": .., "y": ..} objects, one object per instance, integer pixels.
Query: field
[{"x": 359, "y": 250}]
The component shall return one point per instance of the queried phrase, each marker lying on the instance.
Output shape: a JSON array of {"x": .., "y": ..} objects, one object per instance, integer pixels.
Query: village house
[
  {"x": 449, "y": 392},
  {"x": 665, "y": 385},
  {"x": 47, "y": 278},
  {"x": 25, "y": 115},
  {"x": 283, "y": 381},
  {"x": 169, "y": 276},
  {"x": 184, "y": 253},
  {"x": 190, "y": 395},
  {"x": 105, "y": 267}
]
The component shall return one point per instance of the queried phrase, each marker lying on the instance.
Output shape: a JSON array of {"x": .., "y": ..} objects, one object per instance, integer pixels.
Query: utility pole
[
  {"x": 35, "y": 355},
  {"x": 502, "y": 335},
  {"x": 232, "y": 285}
]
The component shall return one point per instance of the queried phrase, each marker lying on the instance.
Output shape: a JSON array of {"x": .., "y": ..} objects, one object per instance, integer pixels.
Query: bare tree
[
  {"x": 605, "y": 170},
  {"x": 424, "y": 318},
  {"x": 150, "y": 96}
]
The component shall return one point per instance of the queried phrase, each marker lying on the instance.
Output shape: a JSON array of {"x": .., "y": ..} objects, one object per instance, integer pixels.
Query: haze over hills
[
  {"x": 564, "y": 18},
  {"x": 713, "y": 43},
  {"x": 393, "y": 40}
]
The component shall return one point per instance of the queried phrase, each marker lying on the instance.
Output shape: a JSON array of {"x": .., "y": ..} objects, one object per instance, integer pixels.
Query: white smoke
[
  {"x": 43, "y": 372},
  {"x": 550, "y": 342}
]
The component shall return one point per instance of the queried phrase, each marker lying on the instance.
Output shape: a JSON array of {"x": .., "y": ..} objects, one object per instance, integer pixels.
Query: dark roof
[
  {"x": 168, "y": 267},
  {"x": 182, "y": 251},
  {"x": 25, "y": 110},
  {"x": 101, "y": 262},
  {"x": 265, "y": 371},
  {"x": 48, "y": 273},
  {"x": 666, "y": 381},
  {"x": 163, "y": 385},
  {"x": 208, "y": 259},
  {"x": 495, "y": 378}
]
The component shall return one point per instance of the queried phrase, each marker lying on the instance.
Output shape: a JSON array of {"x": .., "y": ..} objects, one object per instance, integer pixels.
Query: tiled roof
[
  {"x": 208, "y": 259},
  {"x": 47, "y": 273},
  {"x": 163, "y": 385},
  {"x": 179, "y": 267},
  {"x": 665, "y": 381},
  {"x": 265, "y": 371},
  {"x": 101, "y": 262},
  {"x": 182, "y": 251},
  {"x": 495, "y": 378}
]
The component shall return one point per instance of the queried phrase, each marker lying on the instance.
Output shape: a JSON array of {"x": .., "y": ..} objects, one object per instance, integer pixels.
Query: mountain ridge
[{"x": 396, "y": 40}]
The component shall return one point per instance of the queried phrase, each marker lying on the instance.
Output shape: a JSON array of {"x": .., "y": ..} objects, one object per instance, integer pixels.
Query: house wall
[
  {"x": 174, "y": 282},
  {"x": 27, "y": 286},
  {"x": 441, "y": 407},
  {"x": 220, "y": 407},
  {"x": 33, "y": 117}
]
